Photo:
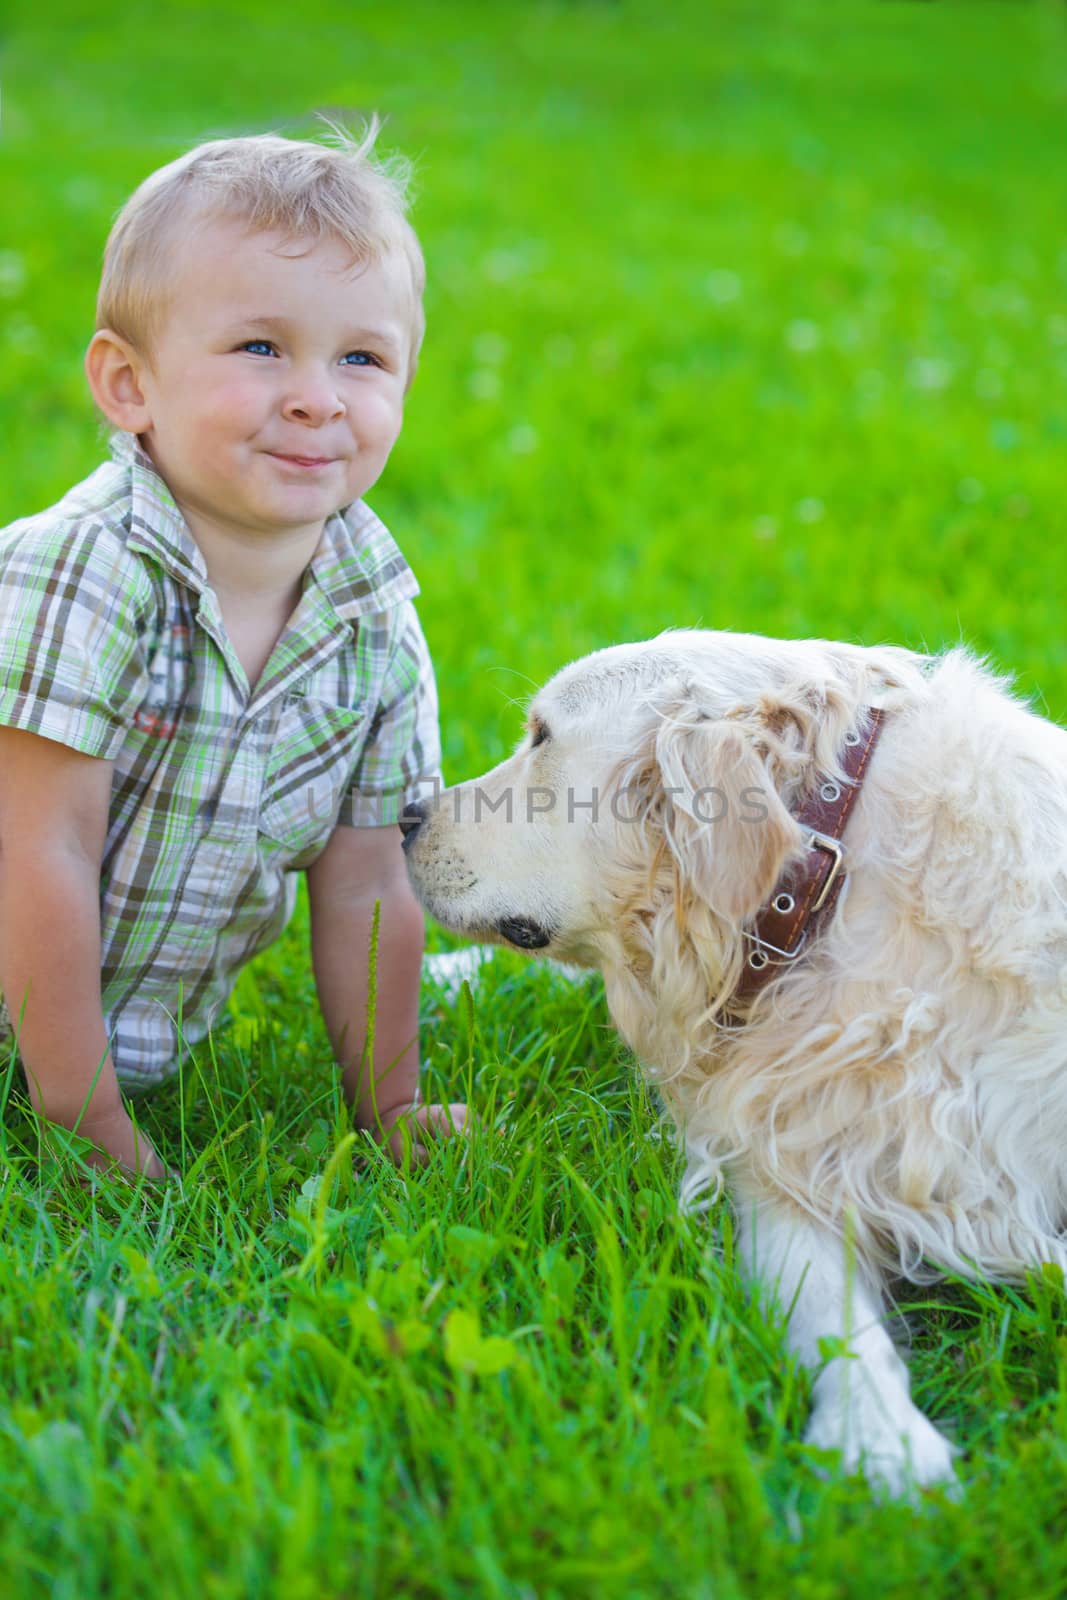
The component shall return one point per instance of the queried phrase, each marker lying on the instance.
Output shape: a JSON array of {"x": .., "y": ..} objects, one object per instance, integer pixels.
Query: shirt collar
[
  {"x": 357, "y": 566},
  {"x": 156, "y": 524}
]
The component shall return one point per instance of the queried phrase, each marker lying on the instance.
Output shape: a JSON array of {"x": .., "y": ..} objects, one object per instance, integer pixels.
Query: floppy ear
[{"x": 725, "y": 823}]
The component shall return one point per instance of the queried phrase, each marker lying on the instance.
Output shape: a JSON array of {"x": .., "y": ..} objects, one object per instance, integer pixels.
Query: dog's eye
[{"x": 538, "y": 735}]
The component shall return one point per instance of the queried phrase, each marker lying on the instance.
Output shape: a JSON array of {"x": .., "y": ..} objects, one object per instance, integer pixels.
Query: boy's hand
[
  {"x": 403, "y": 1124},
  {"x": 116, "y": 1137}
]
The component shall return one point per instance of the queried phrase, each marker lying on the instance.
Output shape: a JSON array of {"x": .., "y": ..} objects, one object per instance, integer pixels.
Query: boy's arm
[
  {"x": 359, "y": 867},
  {"x": 53, "y": 823}
]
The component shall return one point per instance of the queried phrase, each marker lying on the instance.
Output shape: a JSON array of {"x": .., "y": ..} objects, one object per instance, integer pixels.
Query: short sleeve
[
  {"x": 401, "y": 757},
  {"x": 71, "y": 665}
]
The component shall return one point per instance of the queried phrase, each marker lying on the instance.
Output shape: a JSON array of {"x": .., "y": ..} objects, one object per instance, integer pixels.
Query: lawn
[{"x": 740, "y": 315}]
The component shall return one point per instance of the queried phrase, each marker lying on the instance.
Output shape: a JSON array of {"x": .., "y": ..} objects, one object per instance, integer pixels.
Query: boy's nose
[
  {"x": 315, "y": 402},
  {"x": 411, "y": 820}
]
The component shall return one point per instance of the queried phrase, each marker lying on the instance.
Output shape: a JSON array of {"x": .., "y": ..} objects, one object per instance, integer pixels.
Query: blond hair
[{"x": 299, "y": 189}]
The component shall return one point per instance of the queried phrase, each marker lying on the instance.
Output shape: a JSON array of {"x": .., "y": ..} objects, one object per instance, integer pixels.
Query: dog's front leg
[{"x": 861, "y": 1401}]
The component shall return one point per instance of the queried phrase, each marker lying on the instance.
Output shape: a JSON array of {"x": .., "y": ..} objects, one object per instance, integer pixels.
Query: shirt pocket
[{"x": 308, "y": 772}]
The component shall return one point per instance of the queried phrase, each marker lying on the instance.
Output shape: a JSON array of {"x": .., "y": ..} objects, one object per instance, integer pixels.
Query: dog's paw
[{"x": 898, "y": 1450}]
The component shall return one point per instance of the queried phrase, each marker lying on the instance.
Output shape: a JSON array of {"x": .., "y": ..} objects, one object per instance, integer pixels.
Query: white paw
[
  {"x": 450, "y": 968},
  {"x": 887, "y": 1438}
]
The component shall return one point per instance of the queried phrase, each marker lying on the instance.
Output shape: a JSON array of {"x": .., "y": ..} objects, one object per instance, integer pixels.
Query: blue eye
[{"x": 354, "y": 358}]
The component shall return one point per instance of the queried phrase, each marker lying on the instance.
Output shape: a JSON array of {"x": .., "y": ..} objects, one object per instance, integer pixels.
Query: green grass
[{"x": 741, "y": 315}]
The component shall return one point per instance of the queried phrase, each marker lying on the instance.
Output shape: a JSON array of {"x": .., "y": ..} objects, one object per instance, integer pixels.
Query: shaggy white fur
[{"x": 896, "y": 1101}]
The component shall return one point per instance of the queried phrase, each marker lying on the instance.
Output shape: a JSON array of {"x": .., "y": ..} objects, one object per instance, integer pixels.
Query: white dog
[{"x": 894, "y": 1099}]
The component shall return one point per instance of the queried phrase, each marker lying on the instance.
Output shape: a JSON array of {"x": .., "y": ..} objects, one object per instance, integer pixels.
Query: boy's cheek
[
  {"x": 383, "y": 410},
  {"x": 217, "y": 401}
]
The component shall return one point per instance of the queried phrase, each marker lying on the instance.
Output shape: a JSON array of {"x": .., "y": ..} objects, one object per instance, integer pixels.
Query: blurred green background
[{"x": 745, "y": 316}]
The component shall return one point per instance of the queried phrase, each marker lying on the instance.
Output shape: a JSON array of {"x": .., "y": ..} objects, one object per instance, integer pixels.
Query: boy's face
[{"x": 276, "y": 386}]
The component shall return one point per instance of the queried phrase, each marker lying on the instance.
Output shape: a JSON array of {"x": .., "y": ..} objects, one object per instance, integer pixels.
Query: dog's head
[{"x": 646, "y": 815}]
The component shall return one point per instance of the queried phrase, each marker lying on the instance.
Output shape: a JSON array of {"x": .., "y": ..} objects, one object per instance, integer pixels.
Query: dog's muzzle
[{"x": 411, "y": 820}]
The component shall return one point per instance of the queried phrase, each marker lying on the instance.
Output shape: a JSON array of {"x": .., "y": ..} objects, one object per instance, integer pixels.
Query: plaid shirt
[{"x": 112, "y": 642}]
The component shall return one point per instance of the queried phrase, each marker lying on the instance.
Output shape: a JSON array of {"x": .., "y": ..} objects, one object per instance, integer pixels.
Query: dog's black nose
[{"x": 411, "y": 820}]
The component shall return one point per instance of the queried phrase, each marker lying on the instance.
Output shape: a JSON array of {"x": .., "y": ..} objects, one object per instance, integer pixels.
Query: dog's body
[{"x": 895, "y": 1100}]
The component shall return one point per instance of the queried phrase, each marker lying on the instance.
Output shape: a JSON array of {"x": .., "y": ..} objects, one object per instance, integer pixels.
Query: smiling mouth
[{"x": 303, "y": 461}]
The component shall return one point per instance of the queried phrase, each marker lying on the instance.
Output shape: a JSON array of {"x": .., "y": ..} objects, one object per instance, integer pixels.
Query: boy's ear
[{"x": 113, "y": 368}]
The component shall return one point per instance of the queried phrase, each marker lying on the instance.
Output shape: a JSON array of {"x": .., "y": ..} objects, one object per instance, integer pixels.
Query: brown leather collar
[{"x": 806, "y": 894}]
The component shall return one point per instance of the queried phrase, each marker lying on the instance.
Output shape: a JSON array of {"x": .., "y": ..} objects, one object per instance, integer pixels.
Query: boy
[{"x": 211, "y": 671}]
